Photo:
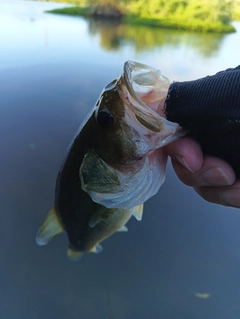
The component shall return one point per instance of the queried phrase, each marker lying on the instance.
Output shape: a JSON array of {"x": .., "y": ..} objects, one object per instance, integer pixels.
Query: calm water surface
[{"x": 52, "y": 69}]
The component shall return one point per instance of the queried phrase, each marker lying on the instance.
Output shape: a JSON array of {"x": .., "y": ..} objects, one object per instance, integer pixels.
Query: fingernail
[
  {"x": 215, "y": 177},
  {"x": 231, "y": 197},
  {"x": 181, "y": 159}
]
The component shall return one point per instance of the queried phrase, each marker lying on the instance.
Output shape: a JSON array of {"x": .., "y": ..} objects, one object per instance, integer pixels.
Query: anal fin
[
  {"x": 137, "y": 212},
  {"x": 96, "y": 249},
  {"x": 50, "y": 228},
  {"x": 123, "y": 229}
]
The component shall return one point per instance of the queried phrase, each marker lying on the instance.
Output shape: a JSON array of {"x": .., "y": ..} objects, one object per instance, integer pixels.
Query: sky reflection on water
[
  {"x": 34, "y": 37},
  {"x": 53, "y": 69}
]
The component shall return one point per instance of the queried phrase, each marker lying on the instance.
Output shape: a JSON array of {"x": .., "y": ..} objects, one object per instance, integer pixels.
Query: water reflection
[
  {"x": 52, "y": 73},
  {"x": 113, "y": 35}
]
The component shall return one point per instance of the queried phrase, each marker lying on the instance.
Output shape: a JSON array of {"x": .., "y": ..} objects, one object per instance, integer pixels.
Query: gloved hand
[{"x": 209, "y": 158}]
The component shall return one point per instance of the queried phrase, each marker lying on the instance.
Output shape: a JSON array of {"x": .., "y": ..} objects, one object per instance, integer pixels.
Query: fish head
[
  {"x": 113, "y": 138},
  {"x": 124, "y": 164}
]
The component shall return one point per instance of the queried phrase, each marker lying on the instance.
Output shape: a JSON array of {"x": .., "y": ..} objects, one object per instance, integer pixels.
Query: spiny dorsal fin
[
  {"x": 50, "y": 228},
  {"x": 74, "y": 255},
  {"x": 137, "y": 212}
]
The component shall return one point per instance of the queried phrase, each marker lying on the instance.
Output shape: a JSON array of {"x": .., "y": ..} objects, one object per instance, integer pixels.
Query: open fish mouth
[
  {"x": 144, "y": 90},
  {"x": 145, "y": 84}
]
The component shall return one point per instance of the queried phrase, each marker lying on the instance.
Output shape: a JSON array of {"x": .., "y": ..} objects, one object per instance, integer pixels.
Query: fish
[
  {"x": 114, "y": 164},
  {"x": 116, "y": 160}
]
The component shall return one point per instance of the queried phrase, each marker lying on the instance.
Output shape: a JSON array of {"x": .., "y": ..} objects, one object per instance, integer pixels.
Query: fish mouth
[
  {"x": 149, "y": 87},
  {"x": 144, "y": 90}
]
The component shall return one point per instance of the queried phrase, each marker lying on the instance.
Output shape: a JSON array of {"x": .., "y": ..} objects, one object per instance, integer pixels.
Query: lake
[{"x": 53, "y": 69}]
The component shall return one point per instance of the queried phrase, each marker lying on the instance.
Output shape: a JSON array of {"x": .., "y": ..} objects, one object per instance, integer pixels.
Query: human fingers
[
  {"x": 213, "y": 172},
  {"x": 211, "y": 177},
  {"x": 186, "y": 151},
  {"x": 225, "y": 195}
]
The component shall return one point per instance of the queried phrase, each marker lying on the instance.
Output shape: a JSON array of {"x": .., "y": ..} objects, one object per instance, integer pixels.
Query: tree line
[{"x": 200, "y": 15}]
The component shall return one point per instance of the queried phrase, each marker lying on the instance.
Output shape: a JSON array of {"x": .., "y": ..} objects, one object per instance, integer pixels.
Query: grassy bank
[
  {"x": 75, "y": 11},
  {"x": 195, "y": 15},
  {"x": 236, "y": 11}
]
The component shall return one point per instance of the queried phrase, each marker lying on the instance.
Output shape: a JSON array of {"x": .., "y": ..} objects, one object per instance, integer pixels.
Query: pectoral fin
[
  {"x": 50, "y": 228},
  {"x": 97, "y": 176},
  {"x": 94, "y": 220},
  {"x": 102, "y": 214},
  {"x": 137, "y": 212}
]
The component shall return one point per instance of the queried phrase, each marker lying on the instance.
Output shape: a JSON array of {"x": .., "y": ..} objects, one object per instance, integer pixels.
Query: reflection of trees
[
  {"x": 114, "y": 35},
  {"x": 109, "y": 31}
]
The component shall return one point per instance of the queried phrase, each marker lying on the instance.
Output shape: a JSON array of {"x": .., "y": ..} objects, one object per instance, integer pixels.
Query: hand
[{"x": 211, "y": 177}]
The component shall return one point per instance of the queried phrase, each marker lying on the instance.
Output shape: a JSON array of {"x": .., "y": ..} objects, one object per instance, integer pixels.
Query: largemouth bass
[{"x": 115, "y": 162}]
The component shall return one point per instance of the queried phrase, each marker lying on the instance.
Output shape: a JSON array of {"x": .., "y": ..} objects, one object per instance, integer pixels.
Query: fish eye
[{"x": 105, "y": 118}]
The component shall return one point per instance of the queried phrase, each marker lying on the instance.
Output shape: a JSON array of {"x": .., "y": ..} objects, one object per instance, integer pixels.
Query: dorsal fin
[
  {"x": 50, "y": 228},
  {"x": 137, "y": 212}
]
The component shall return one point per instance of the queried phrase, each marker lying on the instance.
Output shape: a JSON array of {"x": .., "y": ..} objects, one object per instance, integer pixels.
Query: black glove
[{"x": 210, "y": 109}]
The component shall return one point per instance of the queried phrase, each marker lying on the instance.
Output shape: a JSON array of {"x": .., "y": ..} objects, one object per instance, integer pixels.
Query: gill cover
[
  {"x": 115, "y": 189},
  {"x": 97, "y": 176}
]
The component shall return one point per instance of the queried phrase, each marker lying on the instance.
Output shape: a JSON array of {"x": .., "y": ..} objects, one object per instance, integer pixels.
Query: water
[{"x": 52, "y": 69}]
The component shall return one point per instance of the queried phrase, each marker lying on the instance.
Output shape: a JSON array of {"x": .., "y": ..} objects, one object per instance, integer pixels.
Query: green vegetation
[
  {"x": 236, "y": 11},
  {"x": 76, "y": 2},
  {"x": 197, "y": 15},
  {"x": 75, "y": 11}
]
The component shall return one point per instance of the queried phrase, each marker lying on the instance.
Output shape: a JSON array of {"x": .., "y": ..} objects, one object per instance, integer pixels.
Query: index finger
[{"x": 186, "y": 151}]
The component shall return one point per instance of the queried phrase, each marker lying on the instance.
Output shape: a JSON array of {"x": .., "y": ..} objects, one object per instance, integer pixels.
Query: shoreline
[{"x": 170, "y": 23}]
